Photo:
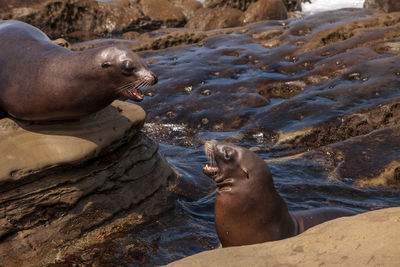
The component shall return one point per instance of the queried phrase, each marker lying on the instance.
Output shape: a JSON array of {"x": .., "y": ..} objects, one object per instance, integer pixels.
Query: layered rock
[
  {"x": 163, "y": 12},
  {"x": 265, "y": 10},
  {"x": 188, "y": 7},
  {"x": 71, "y": 186},
  {"x": 77, "y": 20},
  {"x": 208, "y": 19},
  {"x": 369, "y": 239},
  {"x": 384, "y": 5},
  {"x": 88, "y": 19},
  {"x": 291, "y": 5},
  {"x": 239, "y": 4}
]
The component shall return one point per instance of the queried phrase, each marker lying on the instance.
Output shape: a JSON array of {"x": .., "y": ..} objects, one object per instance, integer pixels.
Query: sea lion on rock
[
  {"x": 42, "y": 81},
  {"x": 248, "y": 209}
]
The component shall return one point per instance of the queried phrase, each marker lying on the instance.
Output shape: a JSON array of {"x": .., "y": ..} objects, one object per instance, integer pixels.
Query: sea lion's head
[
  {"x": 235, "y": 165},
  {"x": 126, "y": 71}
]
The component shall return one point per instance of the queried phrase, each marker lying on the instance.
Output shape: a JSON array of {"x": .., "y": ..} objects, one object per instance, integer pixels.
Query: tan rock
[
  {"x": 69, "y": 186},
  {"x": 384, "y": 5},
  {"x": 188, "y": 7},
  {"x": 265, "y": 10},
  {"x": 369, "y": 239},
  {"x": 162, "y": 10},
  {"x": 27, "y": 148},
  {"x": 62, "y": 42},
  {"x": 208, "y": 19}
]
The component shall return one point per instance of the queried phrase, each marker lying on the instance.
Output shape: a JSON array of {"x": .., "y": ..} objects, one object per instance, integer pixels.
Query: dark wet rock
[
  {"x": 347, "y": 159},
  {"x": 208, "y": 19},
  {"x": 367, "y": 160},
  {"x": 239, "y": 4},
  {"x": 89, "y": 19},
  {"x": 304, "y": 53},
  {"x": 294, "y": 5},
  {"x": 291, "y": 5},
  {"x": 384, "y": 5},
  {"x": 264, "y": 10},
  {"x": 67, "y": 188},
  {"x": 155, "y": 40},
  {"x": 188, "y": 7},
  {"x": 77, "y": 19},
  {"x": 290, "y": 86}
]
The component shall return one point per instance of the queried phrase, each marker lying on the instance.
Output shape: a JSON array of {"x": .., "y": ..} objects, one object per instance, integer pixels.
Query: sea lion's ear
[
  {"x": 246, "y": 172},
  {"x": 106, "y": 64}
]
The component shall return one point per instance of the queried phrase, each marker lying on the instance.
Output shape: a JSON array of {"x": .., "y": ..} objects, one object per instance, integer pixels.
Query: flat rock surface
[
  {"x": 27, "y": 148},
  {"x": 69, "y": 187},
  {"x": 369, "y": 239}
]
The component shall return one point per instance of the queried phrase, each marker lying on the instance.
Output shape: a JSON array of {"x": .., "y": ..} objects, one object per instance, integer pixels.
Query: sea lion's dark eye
[{"x": 106, "y": 64}]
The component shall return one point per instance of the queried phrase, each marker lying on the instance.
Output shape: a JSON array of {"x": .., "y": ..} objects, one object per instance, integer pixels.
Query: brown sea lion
[
  {"x": 42, "y": 81},
  {"x": 248, "y": 209}
]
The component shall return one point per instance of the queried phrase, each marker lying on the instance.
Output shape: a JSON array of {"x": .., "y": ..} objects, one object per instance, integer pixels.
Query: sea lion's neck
[
  {"x": 280, "y": 223},
  {"x": 247, "y": 217}
]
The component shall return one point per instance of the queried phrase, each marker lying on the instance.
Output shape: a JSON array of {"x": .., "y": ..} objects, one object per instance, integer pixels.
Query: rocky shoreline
[
  {"x": 77, "y": 20},
  {"x": 366, "y": 239},
  {"x": 69, "y": 187},
  {"x": 318, "y": 91}
]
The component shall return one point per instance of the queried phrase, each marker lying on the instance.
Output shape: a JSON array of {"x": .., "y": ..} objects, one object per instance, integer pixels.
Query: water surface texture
[{"x": 316, "y": 98}]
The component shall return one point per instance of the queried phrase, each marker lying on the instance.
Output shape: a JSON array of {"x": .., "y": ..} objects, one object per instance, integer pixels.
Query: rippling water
[{"x": 189, "y": 227}]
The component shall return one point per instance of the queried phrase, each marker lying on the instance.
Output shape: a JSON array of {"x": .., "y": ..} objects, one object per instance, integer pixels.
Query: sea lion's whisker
[
  {"x": 127, "y": 89},
  {"x": 129, "y": 86},
  {"x": 210, "y": 155},
  {"x": 123, "y": 87},
  {"x": 141, "y": 84}
]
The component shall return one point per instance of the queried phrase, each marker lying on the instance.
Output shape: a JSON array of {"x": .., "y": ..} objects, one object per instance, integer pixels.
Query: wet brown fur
[
  {"x": 248, "y": 209},
  {"x": 41, "y": 81}
]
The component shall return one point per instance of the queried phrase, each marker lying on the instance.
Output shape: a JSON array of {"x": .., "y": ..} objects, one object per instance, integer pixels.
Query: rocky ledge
[
  {"x": 369, "y": 239},
  {"x": 68, "y": 187}
]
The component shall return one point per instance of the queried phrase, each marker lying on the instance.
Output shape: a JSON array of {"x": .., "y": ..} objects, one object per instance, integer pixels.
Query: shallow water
[
  {"x": 181, "y": 116},
  {"x": 212, "y": 91},
  {"x": 189, "y": 228}
]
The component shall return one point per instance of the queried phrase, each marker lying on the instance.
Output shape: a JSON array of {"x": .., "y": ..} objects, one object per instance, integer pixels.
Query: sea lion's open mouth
[
  {"x": 210, "y": 170},
  {"x": 132, "y": 90},
  {"x": 214, "y": 172},
  {"x": 132, "y": 93}
]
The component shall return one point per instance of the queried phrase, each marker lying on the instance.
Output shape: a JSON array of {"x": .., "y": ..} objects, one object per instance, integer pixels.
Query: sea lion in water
[
  {"x": 248, "y": 209},
  {"x": 42, "y": 81}
]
